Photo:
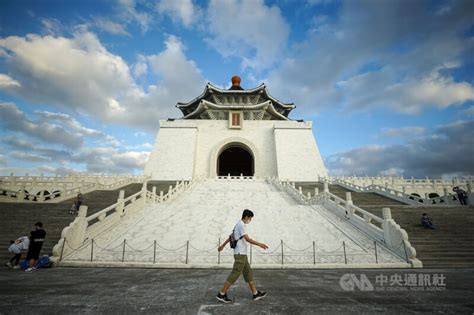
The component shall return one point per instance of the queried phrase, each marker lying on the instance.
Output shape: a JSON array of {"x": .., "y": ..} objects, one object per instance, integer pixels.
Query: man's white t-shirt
[{"x": 239, "y": 230}]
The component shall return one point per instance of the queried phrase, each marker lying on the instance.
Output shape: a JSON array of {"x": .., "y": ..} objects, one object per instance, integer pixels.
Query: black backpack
[{"x": 232, "y": 240}]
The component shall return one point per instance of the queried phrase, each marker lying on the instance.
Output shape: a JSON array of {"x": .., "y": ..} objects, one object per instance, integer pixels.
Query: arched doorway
[{"x": 235, "y": 160}]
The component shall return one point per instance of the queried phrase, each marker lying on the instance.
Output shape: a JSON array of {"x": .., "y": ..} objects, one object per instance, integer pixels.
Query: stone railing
[
  {"x": 384, "y": 230},
  {"x": 446, "y": 200},
  {"x": 241, "y": 177},
  {"x": 154, "y": 197},
  {"x": 57, "y": 189},
  {"x": 87, "y": 227},
  {"x": 422, "y": 187}
]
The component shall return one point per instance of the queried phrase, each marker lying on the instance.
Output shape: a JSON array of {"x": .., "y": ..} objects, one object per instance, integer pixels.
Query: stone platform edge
[{"x": 104, "y": 264}]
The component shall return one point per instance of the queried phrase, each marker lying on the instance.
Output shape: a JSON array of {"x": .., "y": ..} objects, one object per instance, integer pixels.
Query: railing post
[
  {"x": 349, "y": 203},
  {"x": 314, "y": 253},
  {"x": 161, "y": 196},
  {"x": 153, "y": 194},
  {"x": 344, "y": 247},
  {"x": 187, "y": 251},
  {"x": 282, "y": 252},
  {"x": 316, "y": 191},
  {"x": 219, "y": 252},
  {"x": 154, "y": 251},
  {"x": 375, "y": 248},
  {"x": 92, "y": 249},
  {"x": 123, "y": 251},
  {"x": 326, "y": 187},
  {"x": 121, "y": 204}
]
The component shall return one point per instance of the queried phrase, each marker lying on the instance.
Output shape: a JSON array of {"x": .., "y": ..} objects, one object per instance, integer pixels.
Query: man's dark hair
[
  {"x": 424, "y": 214},
  {"x": 39, "y": 224},
  {"x": 247, "y": 213}
]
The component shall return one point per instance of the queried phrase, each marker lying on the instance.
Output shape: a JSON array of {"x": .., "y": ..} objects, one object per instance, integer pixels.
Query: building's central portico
[{"x": 235, "y": 132}]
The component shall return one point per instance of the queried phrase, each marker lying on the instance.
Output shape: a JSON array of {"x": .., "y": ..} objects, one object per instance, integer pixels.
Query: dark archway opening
[{"x": 235, "y": 161}]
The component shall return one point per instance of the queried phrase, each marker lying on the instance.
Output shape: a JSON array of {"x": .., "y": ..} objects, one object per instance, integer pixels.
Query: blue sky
[{"x": 387, "y": 84}]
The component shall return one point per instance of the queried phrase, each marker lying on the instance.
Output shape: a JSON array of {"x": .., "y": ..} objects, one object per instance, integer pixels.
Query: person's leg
[
  {"x": 32, "y": 262},
  {"x": 17, "y": 259},
  {"x": 248, "y": 277},
  {"x": 239, "y": 264}
]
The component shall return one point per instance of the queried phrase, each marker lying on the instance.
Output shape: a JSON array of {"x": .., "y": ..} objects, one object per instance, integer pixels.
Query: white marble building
[{"x": 235, "y": 132}]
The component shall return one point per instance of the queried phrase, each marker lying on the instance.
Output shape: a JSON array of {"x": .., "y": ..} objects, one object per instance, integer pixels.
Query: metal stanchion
[
  {"x": 345, "y": 256},
  {"x": 282, "y": 252},
  {"x": 154, "y": 252},
  {"x": 219, "y": 252},
  {"x": 314, "y": 253},
  {"x": 123, "y": 251},
  {"x": 92, "y": 250},
  {"x": 187, "y": 250},
  {"x": 376, "y": 257}
]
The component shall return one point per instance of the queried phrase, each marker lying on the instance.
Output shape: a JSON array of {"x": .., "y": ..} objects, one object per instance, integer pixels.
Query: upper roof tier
[{"x": 215, "y": 103}]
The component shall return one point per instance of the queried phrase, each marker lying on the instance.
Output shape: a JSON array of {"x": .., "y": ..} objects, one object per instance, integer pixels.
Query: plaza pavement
[{"x": 192, "y": 291}]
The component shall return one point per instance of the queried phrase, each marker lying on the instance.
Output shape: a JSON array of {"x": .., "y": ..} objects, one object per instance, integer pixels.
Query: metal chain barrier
[{"x": 282, "y": 253}]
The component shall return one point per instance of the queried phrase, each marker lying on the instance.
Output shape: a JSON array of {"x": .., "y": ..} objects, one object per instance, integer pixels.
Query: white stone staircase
[{"x": 186, "y": 230}]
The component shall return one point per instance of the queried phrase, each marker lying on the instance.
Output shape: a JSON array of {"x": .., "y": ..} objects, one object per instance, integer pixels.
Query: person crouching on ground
[
  {"x": 16, "y": 247},
  {"x": 426, "y": 221},
  {"x": 36, "y": 243},
  {"x": 241, "y": 263}
]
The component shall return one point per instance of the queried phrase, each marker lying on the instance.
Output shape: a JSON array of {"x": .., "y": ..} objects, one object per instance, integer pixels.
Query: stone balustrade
[
  {"x": 423, "y": 187},
  {"x": 56, "y": 189},
  {"x": 85, "y": 227},
  {"x": 384, "y": 230},
  {"x": 447, "y": 199}
]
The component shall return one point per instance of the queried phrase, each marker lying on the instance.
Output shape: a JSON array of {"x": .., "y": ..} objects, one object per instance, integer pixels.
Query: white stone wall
[
  {"x": 297, "y": 152},
  {"x": 186, "y": 149},
  {"x": 173, "y": 155}
]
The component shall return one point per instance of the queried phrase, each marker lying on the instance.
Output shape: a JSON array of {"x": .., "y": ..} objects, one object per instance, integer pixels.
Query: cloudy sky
[{"x": 389, "y": 85}]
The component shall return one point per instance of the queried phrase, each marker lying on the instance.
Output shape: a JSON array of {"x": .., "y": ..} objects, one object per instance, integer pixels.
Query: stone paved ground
[{"x": 168, "y": 291}]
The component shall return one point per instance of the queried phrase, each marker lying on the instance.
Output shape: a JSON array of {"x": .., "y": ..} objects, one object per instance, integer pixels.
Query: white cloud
[
  {"x": 51, "y": 26},
  {"x": 63, "y": 145},
  {"x": 110, "y": 26},
  {"x": 447, "y": 150},
  {"x": 247, "y": 29},
  {"x": 79, "y": 74},
  {"x": 140, "y": 67},
  {"x": 14, "y": 120},
  {"x": 182, "y": 10},
  {"x": 469, "y": 111},
  {"x": 347, "y": 62},
  {"x": 8, "y": 83},
  {"x": 403, "y": 131},
  {"x": 129, "y": 13}
]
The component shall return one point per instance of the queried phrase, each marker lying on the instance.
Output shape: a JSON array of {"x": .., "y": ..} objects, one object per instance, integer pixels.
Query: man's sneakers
[
  {"x": 9, "y": 265},
  {"x": 30, "y": 269},
  {"x": 223, "y": 298},
  {"x": 259, "y": 295}
]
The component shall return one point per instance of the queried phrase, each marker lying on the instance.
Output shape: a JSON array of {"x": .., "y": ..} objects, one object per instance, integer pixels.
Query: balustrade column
[{"x": 121, "y": 204}]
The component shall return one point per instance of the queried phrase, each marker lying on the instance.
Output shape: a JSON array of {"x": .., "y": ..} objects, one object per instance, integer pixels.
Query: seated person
[
  {"x": 16, "y": 247},
  {"x": 426, "y": 221}
]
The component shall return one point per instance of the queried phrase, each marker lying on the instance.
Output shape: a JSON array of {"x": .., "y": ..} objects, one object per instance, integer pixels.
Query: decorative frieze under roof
[{"x": 255, "y": 104}]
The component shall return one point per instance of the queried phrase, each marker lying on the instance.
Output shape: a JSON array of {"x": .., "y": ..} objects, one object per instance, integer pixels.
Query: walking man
[
  {"x": 241, "y": 263},
  {"x": 36, "y": 243}
]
